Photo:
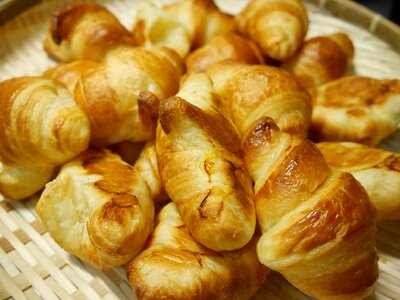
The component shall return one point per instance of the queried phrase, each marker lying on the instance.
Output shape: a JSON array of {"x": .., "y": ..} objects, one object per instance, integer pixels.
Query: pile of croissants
[{"x": 179, "y": 149}]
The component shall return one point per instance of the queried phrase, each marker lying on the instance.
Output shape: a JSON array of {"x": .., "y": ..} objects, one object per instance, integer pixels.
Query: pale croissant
[
  {"x": 181, "y": 26},
  {"x": 222, "y": 47},
  {"x": 121, "y": 94},
  {"x": 85, "y": 31},
  {"x": 318, "y": 224},
  {"x": 201, "y": 167},
  {"x": 321, "y": 59},
  {"x": 377, "y": 170},
  {"x": 18, "y": 183},
  {"x": 248, "y": 92},
  {"x": 98, "y": 208},
  {"x": 41, "y": 125},
  {"x": 355, "y": 109},
  {"x": 277, "y": 26},
  {"x": 174, "y": 266}
]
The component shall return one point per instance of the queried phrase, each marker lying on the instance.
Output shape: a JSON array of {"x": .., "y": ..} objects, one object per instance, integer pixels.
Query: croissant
[
  {"x": 360, "y": 109},
  {"x": 69, "y": 74},
  {"x": 174, "y": 266},
  {"x": 277, "y": 26},
  {"x": 200, "y": 163},
  {"x": 18, "y": 183},
  {"x": 248, "y": 92},
  {"x": 180, "y": 26},
  {"x": 121, "y": 94},
  {"x": 41, "y": 125},
  {"x": 377, "y": 170},
  {"x": 98, "y": 208},
  {"x": 221, "y": 47},
  {"x": 318, "y": 224},
  {"x": 321, "y": 59},
  {"x": 85, "y": 31}
]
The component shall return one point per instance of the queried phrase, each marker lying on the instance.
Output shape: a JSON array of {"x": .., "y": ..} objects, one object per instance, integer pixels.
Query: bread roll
[
  {"x": 318, "y": 224},
  {"x": 98, "y": 208},
  {"x": 41, "y": 125},
  {"x": 174, "y": 266},
  {"x": 321, "y": 59},
  {"x": 248, "y": 92},
  {"x": 18, "y": 183},
  {"x": 122, "y": 93},
  {"x": 277, "y": 26},
  {"x": 202, "y": 170},
  {"x": 377, "y": 170},
  {"x": 222, "y": 47},
  {"x": 355, "y": 109},
  {"x": 85, "y": 31},
  {"x": 180, "y": 26}
]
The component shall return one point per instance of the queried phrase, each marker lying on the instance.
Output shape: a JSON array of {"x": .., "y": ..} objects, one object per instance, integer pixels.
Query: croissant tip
[{"x": 260, "y": 132}]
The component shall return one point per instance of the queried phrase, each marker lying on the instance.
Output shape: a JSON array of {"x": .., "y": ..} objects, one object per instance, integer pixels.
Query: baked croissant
[
  {"x": 18, "y": 183},
  {"x": 200, "y": 163},
  {"x": 248, "y": 92},
  {"x": 377, "y": 170},
  {"x": 174, "y": 266},
  {"x": 355, "y": 109},
  {"x": 277, "y": 26},
  {"x": 69, "y": 74},
  {"x": 321, "y": 59},
  {"x": 222, "y": 47},
  {"x": 41, "y": 125},
  {"x": 318, "y": 224},
  {"x": 180, "y": 26},
  {"x": 121, "y": 94},
  {"x": 98, "y": 208},
  {"x": 85, "y": 31}
]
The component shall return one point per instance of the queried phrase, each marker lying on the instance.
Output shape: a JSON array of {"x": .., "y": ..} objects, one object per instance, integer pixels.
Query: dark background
[{"x": 388, "y": 8}]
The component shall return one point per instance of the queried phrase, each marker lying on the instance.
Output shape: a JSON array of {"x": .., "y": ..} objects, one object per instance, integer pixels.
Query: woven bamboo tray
[{"x": 33, "y": 266}]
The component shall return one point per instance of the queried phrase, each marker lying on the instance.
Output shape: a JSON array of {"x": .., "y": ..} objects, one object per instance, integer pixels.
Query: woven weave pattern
[{"x": 33, "y": 266}]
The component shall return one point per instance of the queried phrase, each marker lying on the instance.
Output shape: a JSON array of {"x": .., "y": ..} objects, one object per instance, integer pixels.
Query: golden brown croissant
[
  {"x": 355, "y": 109},
  {"x": 98, "y": 208},
  {"x": 318, "y": 224},
  {"x": 377, "y": 170},
  {"x": 221, "y": 47},
  {"x": 180, "y": 26},
  {"x": 174, "y": 266},
  {"x": 248, "y": 92},
  {"x": 121, "y": 94},
  {"x": 68, "y": 74},
  {"x": 41, "y": 124},
  {"x": 277, "y": 26},
  {"x": 85, "y": 31},
  {"x": 17, "y": 183},
  {"x": 201, "y": 167},
  {"x": 321, "y": 59}
]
